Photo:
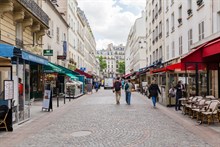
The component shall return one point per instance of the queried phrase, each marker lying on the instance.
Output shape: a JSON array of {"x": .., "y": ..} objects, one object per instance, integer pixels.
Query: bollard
[
  {"x": 64, "y": 99},
  {"x": 69, "y": 96},
  {"x": 57, "y": 97}
]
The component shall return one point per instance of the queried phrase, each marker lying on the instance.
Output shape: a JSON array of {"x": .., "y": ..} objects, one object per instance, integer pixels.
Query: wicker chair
[
  {"x": 3, "y": 116},
  {"x": 212, "y": 112}
]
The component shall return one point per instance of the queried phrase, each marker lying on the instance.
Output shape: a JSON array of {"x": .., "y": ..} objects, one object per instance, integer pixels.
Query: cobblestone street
[{"x": 95, "y": 120}]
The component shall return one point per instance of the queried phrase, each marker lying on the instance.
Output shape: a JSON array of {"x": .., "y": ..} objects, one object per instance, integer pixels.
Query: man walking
[
  {"x": 154, "y": 90},
  {"x": 117, "y": 89}
]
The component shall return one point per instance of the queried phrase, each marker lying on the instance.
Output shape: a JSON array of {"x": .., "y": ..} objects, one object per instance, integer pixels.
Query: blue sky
[{"x": 111, "y": 20}]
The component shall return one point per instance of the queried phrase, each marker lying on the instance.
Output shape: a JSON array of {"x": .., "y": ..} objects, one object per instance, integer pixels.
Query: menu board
[{"x": 8, "y": 89}]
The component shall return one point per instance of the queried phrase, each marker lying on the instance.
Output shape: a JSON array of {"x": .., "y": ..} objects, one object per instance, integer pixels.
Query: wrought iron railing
[{"x": 36, "y": 10}]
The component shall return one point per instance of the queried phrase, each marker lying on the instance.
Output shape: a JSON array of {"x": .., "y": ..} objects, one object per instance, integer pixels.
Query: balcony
[
  {"x": 32, "y": 7},
  {"x": 180, "y": 21},
  {"x": 189, "y": 11},
  {"x": 199, "y": 2}
]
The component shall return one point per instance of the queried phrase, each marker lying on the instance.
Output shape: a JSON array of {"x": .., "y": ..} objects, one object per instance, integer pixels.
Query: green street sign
[{"x": 48, "y": 52}]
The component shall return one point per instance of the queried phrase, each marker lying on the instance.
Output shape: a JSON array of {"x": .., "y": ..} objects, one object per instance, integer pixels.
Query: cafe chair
[{"x": 4, "y": 109}]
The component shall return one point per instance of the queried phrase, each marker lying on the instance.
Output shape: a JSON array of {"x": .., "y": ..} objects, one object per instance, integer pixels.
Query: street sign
[
  {"x": 61, "y": 57},
  {"x": 48, "y": 52},
  {"x": 83, "y": 69}
]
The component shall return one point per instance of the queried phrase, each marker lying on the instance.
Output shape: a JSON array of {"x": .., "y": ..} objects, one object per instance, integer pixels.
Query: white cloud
[{"x": 110, "y": 21}]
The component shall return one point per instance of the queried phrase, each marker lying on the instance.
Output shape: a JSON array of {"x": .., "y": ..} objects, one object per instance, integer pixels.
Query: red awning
[
  {"x": 212, "y": 48},
  {"x": 83, "y": 73},
  {"x": 194, "y": 56},
  {"x": 171, "y": 67},
  {"x": 127, "y": 75}
]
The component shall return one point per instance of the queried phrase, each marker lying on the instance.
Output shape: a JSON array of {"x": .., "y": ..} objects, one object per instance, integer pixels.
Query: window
[
  {"x": 173, "y": 49},
  {"x": 52, "y": 31},
  {"x": 168, "y": 52},
  {"x": 180, "y": 15},
  {"x": 160, "y": 52},
  {"x": 189, "y": 4},
  {"x": 153, "y": 56},
  {"x": 201, "y": 30},
  {"x": 167, "y": 26},
  {"x": 167, "y": 5},
  {"x": 190, "y": 39},
  {"x": 180, "y": 45},
  {"x": 172, "y": 22},
  {"x": 156, "y": 33},
  {"x": 156, "y": 55},
  {"x": 160, "y": 5},
  {"x": 153, "y": 15},
  {"x": 156, "y": 11},
  {"x": 160, "y": 29},
  {"x": 218, "y": 20},
  {"x": 150, "y": 60},
  {"x": 172, "y": 2},
  {"x": 58, "y": 35}
]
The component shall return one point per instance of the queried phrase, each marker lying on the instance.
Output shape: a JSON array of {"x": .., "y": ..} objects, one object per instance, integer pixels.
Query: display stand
[
  {"x": 70, "y": 89},
  {"x": 47, "y": 99}
]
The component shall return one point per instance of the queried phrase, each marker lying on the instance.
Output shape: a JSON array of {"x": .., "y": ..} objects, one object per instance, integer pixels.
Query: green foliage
[
  {"x": 102, "y": 63},
  {"x": 121, "y": 67}
]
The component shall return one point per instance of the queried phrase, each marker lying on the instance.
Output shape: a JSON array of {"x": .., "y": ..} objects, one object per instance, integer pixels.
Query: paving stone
[{"x": 111, "y": 125}]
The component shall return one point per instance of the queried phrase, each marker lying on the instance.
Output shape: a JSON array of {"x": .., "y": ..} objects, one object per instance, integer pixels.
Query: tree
[
  {"x": 121, "y": 67},
  {"x": 102, "y": 63}
]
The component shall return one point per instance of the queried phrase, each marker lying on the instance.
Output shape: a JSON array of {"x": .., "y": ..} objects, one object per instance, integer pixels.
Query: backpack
[
  {"x": 117, "y": 86},
  {"x": 126, "y": 87}
]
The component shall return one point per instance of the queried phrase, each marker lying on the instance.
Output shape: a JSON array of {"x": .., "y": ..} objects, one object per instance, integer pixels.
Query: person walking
[
  {"x": 117, "y": 90},
  {"x": 128, "y": 89},
  {"x": 96, "y": 86},
  {"x": 179, "y": 93},
  {"x": 153, "y": 91}
]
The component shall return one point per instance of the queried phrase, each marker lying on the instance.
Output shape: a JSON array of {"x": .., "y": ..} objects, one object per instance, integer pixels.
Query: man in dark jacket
[
  {"x": 153, "y": 91},
  {"x": 179, "y": 94}
]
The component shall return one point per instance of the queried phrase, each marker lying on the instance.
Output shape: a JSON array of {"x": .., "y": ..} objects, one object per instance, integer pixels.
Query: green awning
[{"x": 51, "y": 68}]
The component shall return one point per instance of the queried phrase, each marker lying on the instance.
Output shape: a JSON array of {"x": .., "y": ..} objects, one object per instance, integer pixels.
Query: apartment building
[
  {"x": 68, "y": 9},
  {"x": 82, "y": 45},
  {"x": 112, "y": 55},
  {"x": 154, "y": 31},
  {"x": 56, "y": 37},
  {"x": 136, "y": 46},
  {"x": 22, "y": 25}
]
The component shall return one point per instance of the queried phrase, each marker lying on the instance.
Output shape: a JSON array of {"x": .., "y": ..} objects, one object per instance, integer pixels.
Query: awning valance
[
  {"x": 212, "y": 48},
  {"x": 9, "y": 50},
  {"x": 34, "y": 58},
  {"x": 51, "y": 68},
  {"x": 83, "y": 73}
]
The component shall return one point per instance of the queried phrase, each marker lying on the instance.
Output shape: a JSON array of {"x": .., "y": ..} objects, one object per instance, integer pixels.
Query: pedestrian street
[{"x": 95, "y": 120}]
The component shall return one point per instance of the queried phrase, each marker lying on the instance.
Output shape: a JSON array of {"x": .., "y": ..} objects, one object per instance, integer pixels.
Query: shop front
[
  {"x": 5, "y": 75},
  {"x": 22, "y": 73},
  {"x": 204, "y": 66},
  {"x": 62, "y": 80}
]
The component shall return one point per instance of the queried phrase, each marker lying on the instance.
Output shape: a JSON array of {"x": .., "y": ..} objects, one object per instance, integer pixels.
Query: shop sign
[
  {"x": 48, "y": 52},
  {"x": 61, "y": 57},
  {"x": 8, "y": 89},
  {"x": 82, "y": 68}
]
